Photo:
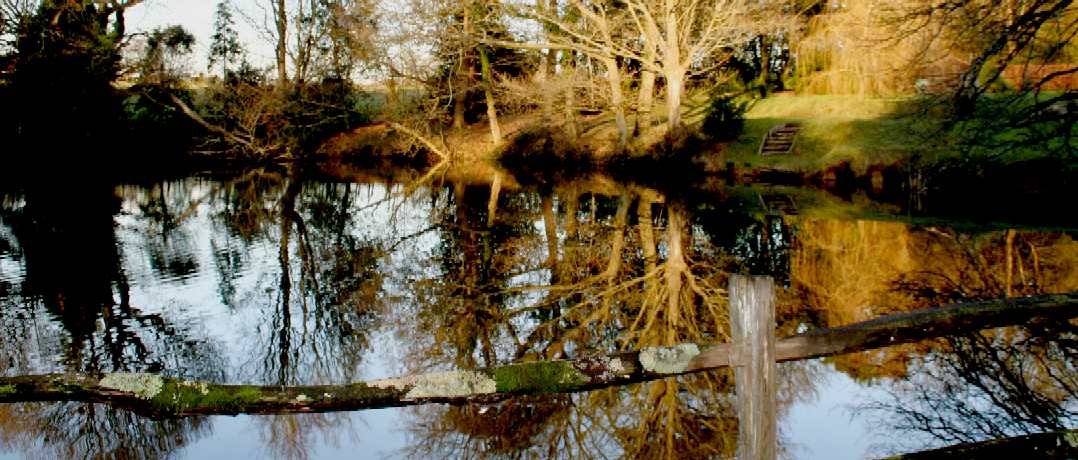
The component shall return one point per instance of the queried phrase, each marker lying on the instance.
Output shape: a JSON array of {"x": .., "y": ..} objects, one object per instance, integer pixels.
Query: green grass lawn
[
  {"x": 881, "y": 131},
  {"x": 861, "y": 131}
]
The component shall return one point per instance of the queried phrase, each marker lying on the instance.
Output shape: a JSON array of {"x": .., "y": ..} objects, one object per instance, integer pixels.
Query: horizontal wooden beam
[
  {"x": 908, "y": 327},
  {"x": 157, "y": 395},
  {"x": 1057, "y": 444}
]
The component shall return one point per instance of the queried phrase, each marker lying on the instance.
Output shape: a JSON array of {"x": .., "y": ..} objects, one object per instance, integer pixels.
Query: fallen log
[
  {"x": 908, "y": 327},
  {"x": 160, "y": 396},
  {"x": 1058, "y": 444}
]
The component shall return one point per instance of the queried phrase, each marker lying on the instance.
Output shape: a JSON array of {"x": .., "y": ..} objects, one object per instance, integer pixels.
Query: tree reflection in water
[
  {"x": 579, "y": 270},
  {"x": 468, "y": 274},
  {"x": 74, "y": 276},
  {"x": 324, "y": 294},
  {"x": 996, "y": 384},
  {"x": 627, "y": 267}
]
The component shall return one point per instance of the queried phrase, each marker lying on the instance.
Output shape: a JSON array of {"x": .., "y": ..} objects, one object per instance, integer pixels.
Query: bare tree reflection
[
  {"x": 326, "y": 294},
  {"x": 323, "y": 296},
  {"x": 1001, "y": 383},
  {"x": 848, "y": 271},
  {"x": 626, "y": 267},
  {"x": 474, "y": 274},
  {"x": 960, "y": 389},
  {"x": 512, "y": 429},
  {"x": 75, "y": 279}
]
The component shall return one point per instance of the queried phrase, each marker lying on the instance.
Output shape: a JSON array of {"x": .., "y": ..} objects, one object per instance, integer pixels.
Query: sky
[{"x": 196, "y": 16}]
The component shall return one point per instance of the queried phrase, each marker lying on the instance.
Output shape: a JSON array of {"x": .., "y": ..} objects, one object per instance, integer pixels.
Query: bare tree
[
  {"x": 594, "y": 30},
  {"x": 1029, "y": 45},
  {"x": 13, "y": 14},
  {"x": 280, "y": 21},
  {"x": 676, "y": 36},
  {"x": 318, "y": 38}
]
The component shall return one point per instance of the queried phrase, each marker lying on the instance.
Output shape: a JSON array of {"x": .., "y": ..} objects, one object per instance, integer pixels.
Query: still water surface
[{"x": 283, "y": 278}]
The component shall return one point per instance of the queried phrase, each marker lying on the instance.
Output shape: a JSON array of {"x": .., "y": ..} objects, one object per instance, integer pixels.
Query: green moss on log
[
  {"x": 180, "y": 396},
  {"x": 538, "y": 377},
  {"x": 7, "y": 390}
]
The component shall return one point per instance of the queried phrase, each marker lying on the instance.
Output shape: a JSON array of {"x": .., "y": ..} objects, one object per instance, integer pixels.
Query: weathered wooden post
[{"x": 752, "y": 326}]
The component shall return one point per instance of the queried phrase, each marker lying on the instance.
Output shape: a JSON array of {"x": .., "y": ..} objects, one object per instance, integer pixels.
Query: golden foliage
[
  {"x": 849, "y": 49},
  {"x": 851, "y": 271},
  {"x": 842, "y": 267}
]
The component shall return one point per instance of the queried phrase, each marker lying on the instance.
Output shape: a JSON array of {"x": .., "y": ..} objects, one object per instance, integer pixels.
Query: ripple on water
[{"x": 12, "y": 270}]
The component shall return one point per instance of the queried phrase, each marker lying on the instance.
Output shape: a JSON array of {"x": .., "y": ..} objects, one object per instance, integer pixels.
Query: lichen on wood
[
  {"x": 668, "y": 360},
  {"x": 453, "y": 384},
  {"x": 145, "y": 386}
]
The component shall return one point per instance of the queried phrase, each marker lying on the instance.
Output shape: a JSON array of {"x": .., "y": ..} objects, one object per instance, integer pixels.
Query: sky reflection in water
[{"x": 279, "y": 279}]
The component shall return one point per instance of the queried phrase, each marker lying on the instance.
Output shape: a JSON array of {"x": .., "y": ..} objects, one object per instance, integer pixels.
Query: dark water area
[{"x": 286, "y": 278}]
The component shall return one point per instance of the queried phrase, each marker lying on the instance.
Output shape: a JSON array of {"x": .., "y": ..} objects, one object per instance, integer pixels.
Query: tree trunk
[
  {"x": 301, "y": 56},
  {"x": 543, "y": 78},
  {"x": 572, "y": 209},
  {"x": 674, "y": 86},
  {"x": 488, "y": 92},
  {"x": 617, "y": 238},
  {"x": 546, "y": 70},
  {"x": 570, "y": 108},
  {"x": 675, "y": 265},
  {"x": 492, "y": 203},
  {"x": 645, "y": 101},
  {"x": 673, "y": 70},
  {"x": 646, "y": 98},
  {"x": 552, "y": 55},
  {"x": 617, "y": 99},
  {"x": 647, "y": 230},
  {"x": 460, "y": 91},
  {"x": 164, "y": 396},
  {"x": 765, "y": 65},
  {"x": 392, "y": 95},
  {"x": 646, "y": 225},
  {"x": 281, "y": 17},
  {"x": 550, "y": 228},
  {"x": 1009, "y": 248}
]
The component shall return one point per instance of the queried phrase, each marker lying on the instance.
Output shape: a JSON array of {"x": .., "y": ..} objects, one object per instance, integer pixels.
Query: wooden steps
[
  {"x": 777, "y": 204},
  {"x": 780, "y": 139}
]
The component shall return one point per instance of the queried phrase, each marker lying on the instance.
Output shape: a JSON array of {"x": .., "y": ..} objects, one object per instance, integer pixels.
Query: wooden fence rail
[{"x": 158, "y": 395}]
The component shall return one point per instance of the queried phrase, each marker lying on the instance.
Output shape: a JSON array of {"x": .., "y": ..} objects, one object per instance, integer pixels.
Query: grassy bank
[
  {"x": 876, "y": 132},
  {"x": 862, "y": 132},
  {"x": 858, "y": 135}
]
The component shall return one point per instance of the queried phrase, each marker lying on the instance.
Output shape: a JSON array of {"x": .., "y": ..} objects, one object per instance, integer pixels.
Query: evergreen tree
[{"x": 225, "y": 47}]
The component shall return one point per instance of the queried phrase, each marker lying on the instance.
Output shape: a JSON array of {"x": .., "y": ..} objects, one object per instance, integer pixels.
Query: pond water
[{"x": 286, "y": 278}]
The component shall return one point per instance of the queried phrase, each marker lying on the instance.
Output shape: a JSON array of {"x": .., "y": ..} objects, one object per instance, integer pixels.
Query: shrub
[
  {"x": 277, "y": 123},
  {"x": 725, "y": 119},
  {"x": 149, "y": 116}
]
